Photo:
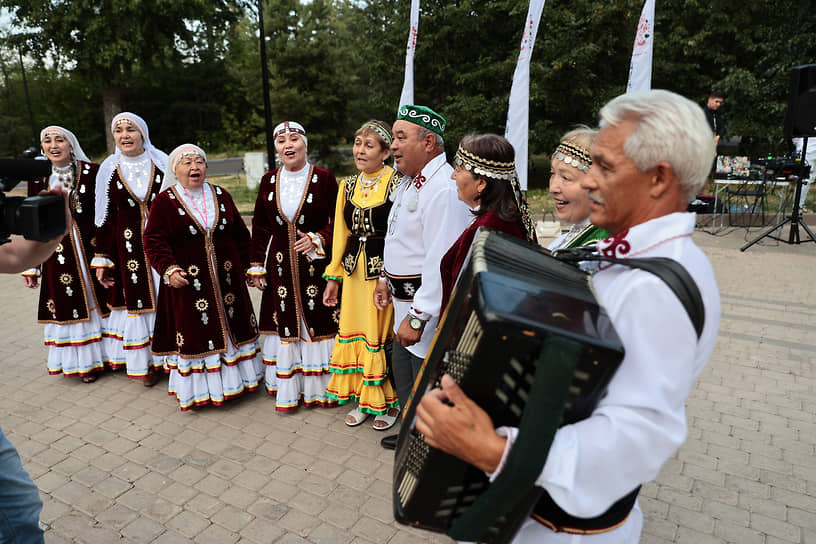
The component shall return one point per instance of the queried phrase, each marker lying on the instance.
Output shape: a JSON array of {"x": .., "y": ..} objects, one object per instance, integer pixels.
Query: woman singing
[
  {"x": 205, "y": 326},
  {"x": 72, "y": 303},
  {"x": 291, "y": 243},
  {"x": 126, "y": 185}
]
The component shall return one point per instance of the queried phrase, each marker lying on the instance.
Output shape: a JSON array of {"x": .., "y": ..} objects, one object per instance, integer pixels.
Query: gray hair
[
  {"x": 670, "y": 128},
  {"x": 440, "y": 142}
]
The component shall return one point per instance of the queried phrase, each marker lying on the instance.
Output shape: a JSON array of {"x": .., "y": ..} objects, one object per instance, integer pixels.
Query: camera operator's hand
[
  {"x": 32, "y": 282},
  {"x": 105, "y": 277},
  {"x": 20, "y": 254}
]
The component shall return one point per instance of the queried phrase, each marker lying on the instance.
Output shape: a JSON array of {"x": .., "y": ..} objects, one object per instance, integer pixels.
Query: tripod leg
[
  {"x": 807, "y": 229},
  {"x": 765, "y": 234}
]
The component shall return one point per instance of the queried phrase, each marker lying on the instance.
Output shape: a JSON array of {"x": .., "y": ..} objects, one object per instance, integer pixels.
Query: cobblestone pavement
[{"x": 117, "y": 462}]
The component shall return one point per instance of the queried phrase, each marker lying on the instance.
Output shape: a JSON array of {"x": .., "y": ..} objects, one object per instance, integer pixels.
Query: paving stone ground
[{"x": 118, "y": 462}]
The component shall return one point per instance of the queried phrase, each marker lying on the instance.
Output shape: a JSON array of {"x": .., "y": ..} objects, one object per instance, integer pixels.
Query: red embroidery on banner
[{"x": 618, "y": 245}]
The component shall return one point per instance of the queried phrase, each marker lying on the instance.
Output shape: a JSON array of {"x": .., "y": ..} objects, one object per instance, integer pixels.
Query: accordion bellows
[{"x": 526, "y": 339}]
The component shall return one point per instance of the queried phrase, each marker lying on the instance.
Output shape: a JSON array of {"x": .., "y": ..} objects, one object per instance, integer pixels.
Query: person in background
[
  {"x": 810, "y": 157},
  {"x": 205, "y": 326},
  {"x": 569, "y": 164},
  {"x": 291, "y": 245},
  {"x": 20, "y": 503},
  {"x": 358, "y": 363},
  {"x": 715, "y": 119},
  {"x": 72, "y": 302},
  {"x": 126, "y": 185},
  {"x": 651, "y": 156},
  {"x": 425, "y": 220}
]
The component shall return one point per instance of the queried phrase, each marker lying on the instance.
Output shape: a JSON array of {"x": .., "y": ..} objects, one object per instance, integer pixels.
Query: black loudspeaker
[{"x": 801, "y": 118}]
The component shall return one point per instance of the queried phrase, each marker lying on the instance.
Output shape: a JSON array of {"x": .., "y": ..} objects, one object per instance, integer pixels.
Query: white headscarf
[
  {"x": 175, "y": 157},
  {"x": 68, "y": 135},
  {"x": 109, "y": 165},
  {"x": 290, "y": 127}
]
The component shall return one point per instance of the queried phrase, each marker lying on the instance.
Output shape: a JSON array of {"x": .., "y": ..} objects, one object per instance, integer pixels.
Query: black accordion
[{"x": 525, "y": 338}]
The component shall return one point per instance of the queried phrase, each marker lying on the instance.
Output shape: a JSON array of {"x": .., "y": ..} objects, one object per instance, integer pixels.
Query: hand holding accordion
[
  {"x": 466, "y": 431},
  {"x": 525, "y": 339}
]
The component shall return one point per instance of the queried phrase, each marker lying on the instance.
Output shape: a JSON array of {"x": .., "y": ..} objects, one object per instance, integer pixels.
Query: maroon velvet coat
[
  {"x": 63, "y": 297},
  {"x": 194, "y": 321},
  {"x": 295, "y": 283},
  {"x": 120, "y": 240},
  {"x": 454, "y": 259}
]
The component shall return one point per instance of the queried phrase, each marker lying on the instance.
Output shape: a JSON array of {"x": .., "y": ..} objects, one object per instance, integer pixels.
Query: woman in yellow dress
[{"x": 358, "y": 363}]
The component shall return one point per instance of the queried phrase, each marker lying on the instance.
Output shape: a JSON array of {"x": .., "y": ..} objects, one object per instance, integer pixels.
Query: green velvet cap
[{"x": 422, "y": 116}]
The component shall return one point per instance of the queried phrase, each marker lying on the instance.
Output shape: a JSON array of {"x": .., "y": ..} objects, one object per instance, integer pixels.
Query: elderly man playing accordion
[{"x": 651, "y": 156}]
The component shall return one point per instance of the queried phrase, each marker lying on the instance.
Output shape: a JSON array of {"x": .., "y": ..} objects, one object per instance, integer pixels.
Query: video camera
[{"x": 39, "y": 218}]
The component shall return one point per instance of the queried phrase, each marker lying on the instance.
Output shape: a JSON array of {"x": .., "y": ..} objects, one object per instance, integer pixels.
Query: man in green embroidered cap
[{"x": 425, "y": 220}]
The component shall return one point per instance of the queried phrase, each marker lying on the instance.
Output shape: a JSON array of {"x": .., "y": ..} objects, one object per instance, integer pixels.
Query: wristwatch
[{"x": 415, "y": 323}]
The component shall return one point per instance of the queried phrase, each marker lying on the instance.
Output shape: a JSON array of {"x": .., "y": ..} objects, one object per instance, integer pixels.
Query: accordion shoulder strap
[{"x": 670, "y": 271}]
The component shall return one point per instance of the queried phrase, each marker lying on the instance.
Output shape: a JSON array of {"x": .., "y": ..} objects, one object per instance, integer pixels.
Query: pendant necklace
[
  {"x": 203, "y": 215},
  {"x": 367, "y": 185},
  {"x": 137, "y": 171},
  {"x": 65, "y": 175}
]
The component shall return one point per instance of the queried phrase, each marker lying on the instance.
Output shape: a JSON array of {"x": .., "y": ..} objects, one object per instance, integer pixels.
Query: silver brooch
[{"x": 411, "y": 201}]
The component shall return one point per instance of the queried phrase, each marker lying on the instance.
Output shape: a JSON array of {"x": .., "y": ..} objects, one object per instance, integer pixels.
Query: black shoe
[{"x": 389, "y": 442}]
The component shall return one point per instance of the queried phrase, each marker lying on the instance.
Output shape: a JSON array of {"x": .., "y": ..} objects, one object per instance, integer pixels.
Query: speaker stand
[{"x": 795, "y": 218}]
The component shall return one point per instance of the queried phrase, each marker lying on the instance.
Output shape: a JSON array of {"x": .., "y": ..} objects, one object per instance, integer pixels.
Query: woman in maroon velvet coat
[
  {"x": 485, "y": 175},
  {"x": 72, "y": 302},
  {"x": 205, "y": 326},
  {"x": 126, "y": 186},
  {"x": 291, "y": 246}
]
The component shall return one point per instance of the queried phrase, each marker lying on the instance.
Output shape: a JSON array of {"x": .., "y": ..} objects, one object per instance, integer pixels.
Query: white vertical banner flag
[
  {"x": 640, "y": 69},
  {"x": 407, "y": 96},
  {"x": 518, "y": 112}
]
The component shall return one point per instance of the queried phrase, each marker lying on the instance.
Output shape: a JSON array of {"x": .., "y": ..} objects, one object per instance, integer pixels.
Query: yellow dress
[{"x": 358, "y": 364}]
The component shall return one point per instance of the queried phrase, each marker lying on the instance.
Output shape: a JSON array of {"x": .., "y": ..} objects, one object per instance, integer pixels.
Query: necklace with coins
[{"x": 368, "y": 185}]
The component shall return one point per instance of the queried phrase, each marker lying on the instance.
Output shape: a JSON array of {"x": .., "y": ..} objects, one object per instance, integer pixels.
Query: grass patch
[
  {"x": 540, "y": 202},
  {"x": 236, "y": 185}
]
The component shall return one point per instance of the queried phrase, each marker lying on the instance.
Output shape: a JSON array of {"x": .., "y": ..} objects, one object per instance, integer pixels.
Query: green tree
[{"x": 117, "y": 43}]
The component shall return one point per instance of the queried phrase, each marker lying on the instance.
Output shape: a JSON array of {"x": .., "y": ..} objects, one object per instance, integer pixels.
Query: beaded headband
[
  {"x": 53, "y": 131},
  {"x": 187, "y": 151},
  {"x": 484, "y": 167},
  {"x": 574, "y": 156},
  {"x": 379, "y": 129},
  {"x": 130, "y": 122},
  {"x": 289, "y": 127}
]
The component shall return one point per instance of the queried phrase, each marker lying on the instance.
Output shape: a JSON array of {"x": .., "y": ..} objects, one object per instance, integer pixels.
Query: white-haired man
[{"x": 652, "y": 154}]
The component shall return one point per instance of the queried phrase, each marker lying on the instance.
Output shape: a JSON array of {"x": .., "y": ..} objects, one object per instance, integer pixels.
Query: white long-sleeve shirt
[
  {"x": 416, "y": 240},
  {"x": 641, "y": 421}
]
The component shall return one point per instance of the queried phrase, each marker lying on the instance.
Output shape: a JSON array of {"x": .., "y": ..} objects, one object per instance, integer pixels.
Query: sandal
[
  {"x": 89, "y": 378},
  {"x": 355, "y": 417},
  {"x": 386, "y": 420}
]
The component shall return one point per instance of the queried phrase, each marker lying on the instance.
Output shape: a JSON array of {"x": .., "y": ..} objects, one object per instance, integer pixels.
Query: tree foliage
[
  {"x": 191, "y": 67},
  {"x": 117, "y": 44}
]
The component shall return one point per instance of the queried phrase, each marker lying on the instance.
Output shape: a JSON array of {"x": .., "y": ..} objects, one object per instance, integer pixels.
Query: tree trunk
[
  {"x": 111, "y": 105},
  {"x": 7, "y": 86}
]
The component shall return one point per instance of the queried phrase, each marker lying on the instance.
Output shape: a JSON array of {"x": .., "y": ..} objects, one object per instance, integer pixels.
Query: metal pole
[
  {"x": 270, "y": 143},
  {"x": 28, "y": 101}
]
